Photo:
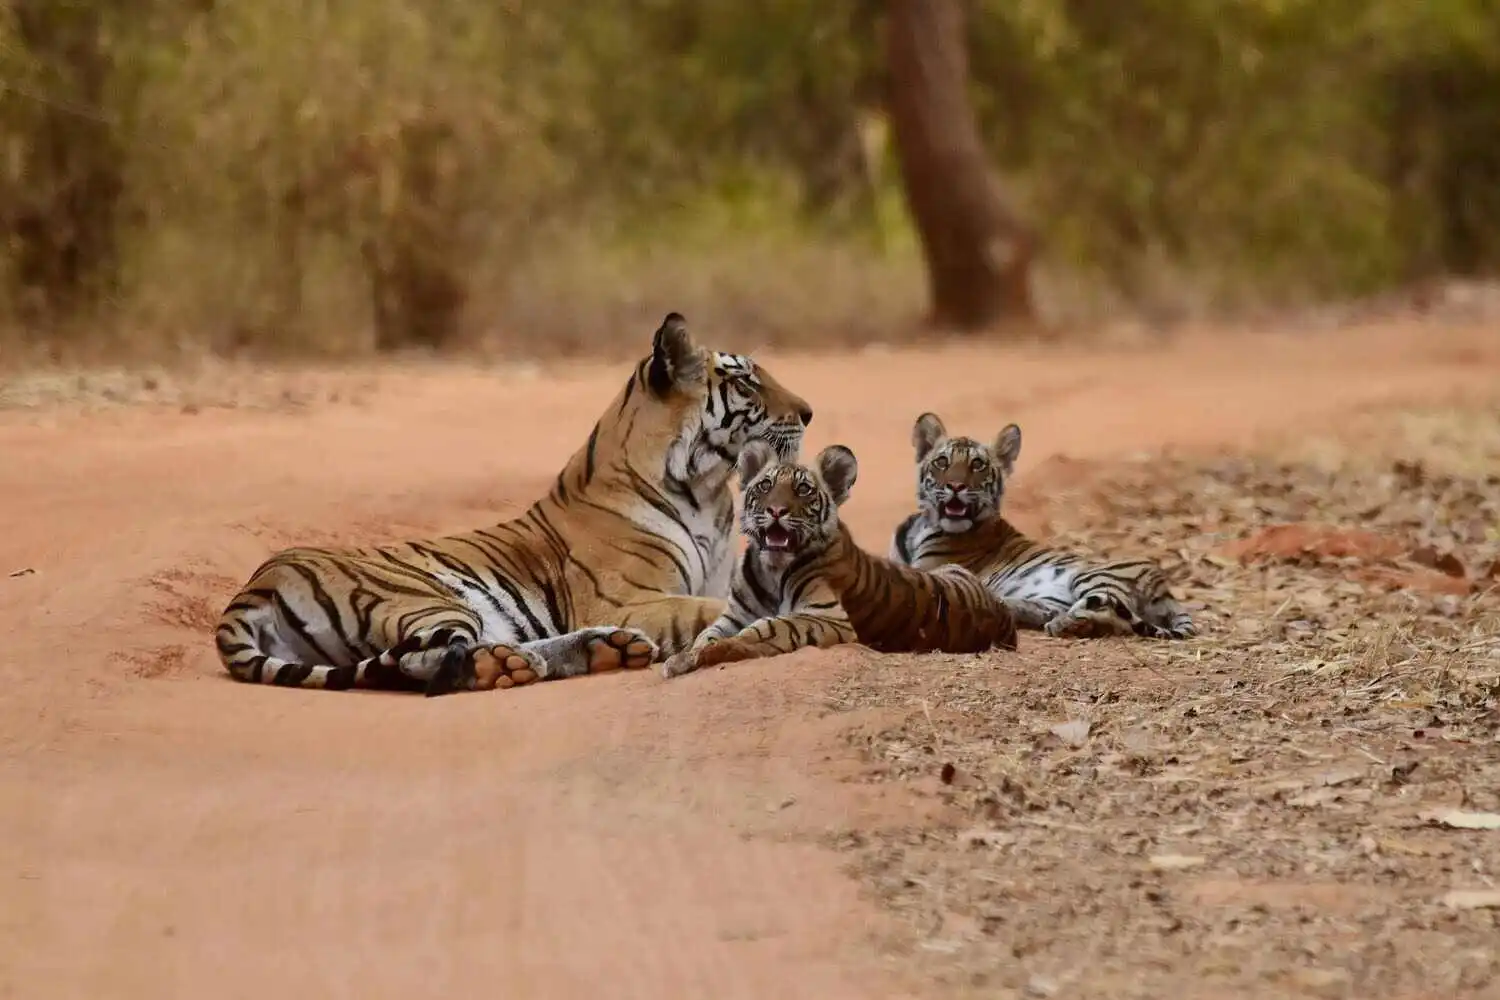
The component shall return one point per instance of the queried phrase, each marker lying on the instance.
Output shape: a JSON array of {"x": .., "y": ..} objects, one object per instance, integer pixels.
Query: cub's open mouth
[
  {"x": 776, "y": 538},
  {"x": 956, "y": 508}
]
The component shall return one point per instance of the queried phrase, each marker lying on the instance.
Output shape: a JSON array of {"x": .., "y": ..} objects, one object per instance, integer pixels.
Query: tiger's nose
[
  {"x": 805, "y": 413},
  {"x": 957, "y": 488},
  {"x": 776, "y": 513}
]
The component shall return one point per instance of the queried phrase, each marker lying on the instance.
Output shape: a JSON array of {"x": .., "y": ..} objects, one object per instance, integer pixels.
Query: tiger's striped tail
[
  {"x": 246, "y": 662},
  {"x": 239, "y": 648}
]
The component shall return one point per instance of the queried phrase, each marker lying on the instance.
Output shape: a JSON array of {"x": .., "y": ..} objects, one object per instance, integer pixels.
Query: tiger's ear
[
  {"x": 838, "y": 468},
  {"x": 754, "y": 458},
  {"x": 926, "y": 434},
  {"x": 676, "y": 361},
  {"x": 1008, "y": 447}
]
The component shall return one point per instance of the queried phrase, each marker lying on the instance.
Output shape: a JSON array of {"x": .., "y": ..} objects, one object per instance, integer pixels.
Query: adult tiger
[
  {"x": 620, "y": 562},
  {"x": 960, "y": 487},
  {"x": 804, "y": 581}
]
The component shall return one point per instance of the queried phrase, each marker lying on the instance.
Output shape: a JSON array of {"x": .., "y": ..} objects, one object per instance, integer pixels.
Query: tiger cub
[
  {"x": 960, "y": 486},
  {"x": 804, "y": 581}
]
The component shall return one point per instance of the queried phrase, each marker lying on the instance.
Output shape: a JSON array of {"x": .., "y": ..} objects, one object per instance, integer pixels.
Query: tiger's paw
[
  {"x": 1087, "y": 623},
  {"x": 725, "y": 651},
  {"x": 621, "y": 649},
  {"x": 1182, "y": 628},
  {"x": 487, "y": 668},
  {"x": 678, "y": 664}
]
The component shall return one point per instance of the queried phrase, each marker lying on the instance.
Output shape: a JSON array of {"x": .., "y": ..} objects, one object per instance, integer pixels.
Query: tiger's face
[
  {"x": 745, "y": 403},
  {"x": 719, "y": 403},
  {"x": 790, "y": 509},
  {"x": 961, "y": 481}
]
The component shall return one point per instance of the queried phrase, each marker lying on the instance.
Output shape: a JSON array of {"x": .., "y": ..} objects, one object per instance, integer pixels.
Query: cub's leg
[
  {"x": 1164, "y": 618},
  {"x": 1094, "y": 616},
  {"x": 670, "y": 622},
  {"x": 1030, "y": 614},
  {"x": 766, "y": 637}
]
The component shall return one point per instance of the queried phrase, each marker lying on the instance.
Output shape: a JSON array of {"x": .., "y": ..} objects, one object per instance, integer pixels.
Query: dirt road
[{"x": 165, "y": 832}]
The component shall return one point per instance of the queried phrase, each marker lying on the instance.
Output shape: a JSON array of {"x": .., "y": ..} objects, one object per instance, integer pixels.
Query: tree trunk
[
  {"x": 62, "y": 224},
  {"x": 977, "y": 249}
]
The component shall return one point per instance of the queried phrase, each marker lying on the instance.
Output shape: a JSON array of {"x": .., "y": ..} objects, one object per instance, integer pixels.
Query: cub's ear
[
  {"x": 1007, "y": 447},
  {"x": 754, "y": 458},
  {"x": 926, "y": 434},
  {"x": 676, "y": 361},
  {"x": 838, "y": 469}
]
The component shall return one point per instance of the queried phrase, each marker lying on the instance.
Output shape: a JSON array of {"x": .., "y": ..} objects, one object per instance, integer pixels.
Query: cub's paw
[
  {"x": 725, "y": 651},
  {"x": 678, "y": 664},
  {"x": 621, "y": 649},
  {"x": 1073, "y": 625},
  {"x": 1183, "y": 628},
  {"x": 1029, "y": 614},
  {"x": 1093, "y": 617}
]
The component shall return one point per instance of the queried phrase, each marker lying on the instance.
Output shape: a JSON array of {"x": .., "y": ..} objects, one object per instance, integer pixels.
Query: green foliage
[{"x": 353, "y": 173}]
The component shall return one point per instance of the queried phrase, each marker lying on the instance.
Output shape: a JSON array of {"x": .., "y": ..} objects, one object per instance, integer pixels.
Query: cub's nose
[
  {"x": 806, "y": 414},
  {"x": 776, "y": 513}
]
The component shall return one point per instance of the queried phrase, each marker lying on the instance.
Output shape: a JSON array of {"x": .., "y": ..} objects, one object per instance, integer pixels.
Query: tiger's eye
[{"x": 978, "y": 464}]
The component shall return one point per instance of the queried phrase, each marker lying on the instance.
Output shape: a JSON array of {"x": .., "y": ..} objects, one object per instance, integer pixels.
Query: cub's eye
[
  {"x": 804, "y": 489},
  {"x": 940, "y": 464},
  {"x": 761, "y": 486},
  {"x": 978, "y": 465}
]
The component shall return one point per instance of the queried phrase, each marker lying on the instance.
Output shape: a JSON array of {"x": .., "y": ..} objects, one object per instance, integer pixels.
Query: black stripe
[
  {"x": 297, "y": 625},
  {"x": 589, "y": 453}
]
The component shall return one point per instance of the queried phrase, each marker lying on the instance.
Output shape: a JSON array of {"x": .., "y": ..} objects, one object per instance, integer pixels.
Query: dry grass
[{"x": 1258, "y": 812}]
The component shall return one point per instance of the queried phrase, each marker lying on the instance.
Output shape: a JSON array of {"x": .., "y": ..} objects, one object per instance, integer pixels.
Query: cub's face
[
  {"x": 961, "y": 481},
  {"x": 790, "y": 509}
]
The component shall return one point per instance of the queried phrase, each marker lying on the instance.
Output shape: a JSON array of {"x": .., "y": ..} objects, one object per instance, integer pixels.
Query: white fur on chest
[{"x": 707, "y": 551}]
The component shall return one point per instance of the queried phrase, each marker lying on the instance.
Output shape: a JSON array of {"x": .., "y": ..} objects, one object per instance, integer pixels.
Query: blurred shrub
[{"x": 346, "y": 175}]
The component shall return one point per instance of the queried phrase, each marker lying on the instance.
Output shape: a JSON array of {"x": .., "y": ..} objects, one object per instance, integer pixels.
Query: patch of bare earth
[{"x": 1305, "y": 801}]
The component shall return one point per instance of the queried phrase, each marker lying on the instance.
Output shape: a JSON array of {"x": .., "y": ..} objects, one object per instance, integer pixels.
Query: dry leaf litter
[{"x": 1302, "y": 802}]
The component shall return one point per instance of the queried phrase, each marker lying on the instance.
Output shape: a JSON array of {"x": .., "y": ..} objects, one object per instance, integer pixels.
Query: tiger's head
[
  {"x": 960, "y": 481},
  {"x": 789, "y": 509},
  {"x": 705, "y": 406}
]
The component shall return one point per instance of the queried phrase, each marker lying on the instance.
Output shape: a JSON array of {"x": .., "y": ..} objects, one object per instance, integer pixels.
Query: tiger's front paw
[{"x": 621, "y": 649}]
